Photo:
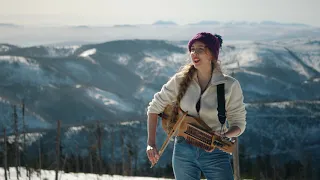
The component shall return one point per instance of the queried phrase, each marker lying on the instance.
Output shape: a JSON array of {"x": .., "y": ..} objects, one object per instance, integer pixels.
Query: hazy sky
[{"x": 109, "y": 12}]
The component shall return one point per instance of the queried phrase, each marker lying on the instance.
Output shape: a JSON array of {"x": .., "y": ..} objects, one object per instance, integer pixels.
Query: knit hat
[{"x": 213, "y": 42}]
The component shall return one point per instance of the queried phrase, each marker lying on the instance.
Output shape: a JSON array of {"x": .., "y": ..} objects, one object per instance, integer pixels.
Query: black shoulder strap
[{"x": 221, "y": 103}]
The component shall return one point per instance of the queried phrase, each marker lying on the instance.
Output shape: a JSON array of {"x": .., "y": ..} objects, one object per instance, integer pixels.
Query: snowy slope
[
  {"x": 46, "y": 174},
  {"x": 39, "y": 51}
]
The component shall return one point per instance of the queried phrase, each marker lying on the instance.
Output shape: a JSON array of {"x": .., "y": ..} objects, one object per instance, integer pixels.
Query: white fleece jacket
[{"x": 235, "y": 108}]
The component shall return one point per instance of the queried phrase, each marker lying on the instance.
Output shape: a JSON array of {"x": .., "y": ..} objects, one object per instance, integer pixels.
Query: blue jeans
[{"x": 188, "y": 161}]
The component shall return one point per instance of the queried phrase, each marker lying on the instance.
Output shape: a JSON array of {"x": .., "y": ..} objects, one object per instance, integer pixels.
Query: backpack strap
[{"x": 221, "y": 103}]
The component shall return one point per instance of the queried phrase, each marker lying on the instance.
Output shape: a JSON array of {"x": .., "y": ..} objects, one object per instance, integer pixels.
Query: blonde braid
[{"x": 188, "y": 72}]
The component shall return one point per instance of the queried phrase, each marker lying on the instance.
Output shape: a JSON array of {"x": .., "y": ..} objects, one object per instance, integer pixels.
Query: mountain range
[
  {"x": 113, "y": 82},
  {"x": 27, "y": 36}
]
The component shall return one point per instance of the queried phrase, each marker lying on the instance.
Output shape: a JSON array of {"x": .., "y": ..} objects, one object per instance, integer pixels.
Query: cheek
[{"x": 205, "y": 57}]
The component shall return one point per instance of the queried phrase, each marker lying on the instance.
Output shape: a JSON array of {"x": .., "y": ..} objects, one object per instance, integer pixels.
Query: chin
[{"x": 196, "y": 65}]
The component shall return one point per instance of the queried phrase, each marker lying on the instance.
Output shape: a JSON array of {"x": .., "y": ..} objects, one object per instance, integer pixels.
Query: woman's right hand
[
  {"x": 152, "y": 154},
  {"x": 152, "y": 151}
]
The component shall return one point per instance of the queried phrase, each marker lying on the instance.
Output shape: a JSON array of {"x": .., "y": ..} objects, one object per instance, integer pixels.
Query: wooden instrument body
[{"x": 196, "y": 132}]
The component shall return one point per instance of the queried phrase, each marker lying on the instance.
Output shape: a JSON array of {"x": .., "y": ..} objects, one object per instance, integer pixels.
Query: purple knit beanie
[{"x": 213, "y": 42}]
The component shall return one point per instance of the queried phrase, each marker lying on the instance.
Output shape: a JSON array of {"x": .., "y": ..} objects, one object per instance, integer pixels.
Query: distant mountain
[
  {"x": 160, "y": 30},
  {"x": 81, "y": 27},
  {"x": 40, "y": 51},
  {"x": 282, "y": 24},
  {"x": 8, "y": 25},
  {"x": 206, "y": 23},
  {"x": 269, "y": 23},
  {"x": 7, "y": 47},
  {"x": 113, "y": 82},
  {"x": 164, "y": 23},
  {"x": 124, "y": 25}
]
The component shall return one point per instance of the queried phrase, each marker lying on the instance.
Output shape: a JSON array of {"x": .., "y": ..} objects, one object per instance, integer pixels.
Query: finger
[
  {"x": 155, "y": 156},
  {"x": 150, "y": 155},
  {"x": 156, "y": 153}
]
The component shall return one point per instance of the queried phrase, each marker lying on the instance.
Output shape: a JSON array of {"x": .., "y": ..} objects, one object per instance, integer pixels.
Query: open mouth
[{"x": 196, "y": 60}]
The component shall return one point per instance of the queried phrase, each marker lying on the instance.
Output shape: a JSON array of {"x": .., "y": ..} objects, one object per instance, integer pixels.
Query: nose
[{"x": 193, "y": 54}]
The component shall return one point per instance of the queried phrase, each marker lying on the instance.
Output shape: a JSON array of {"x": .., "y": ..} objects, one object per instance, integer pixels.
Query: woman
[{"x": 194, "y": 90}]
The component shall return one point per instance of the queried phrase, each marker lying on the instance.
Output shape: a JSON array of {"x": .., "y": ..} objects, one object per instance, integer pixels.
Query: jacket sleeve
[
  {"x": 235, "y": 107},
  {"x": 165, "y": 96}
]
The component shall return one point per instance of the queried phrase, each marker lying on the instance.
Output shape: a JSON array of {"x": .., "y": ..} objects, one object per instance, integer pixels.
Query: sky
[{"x": 111, "y": 12}]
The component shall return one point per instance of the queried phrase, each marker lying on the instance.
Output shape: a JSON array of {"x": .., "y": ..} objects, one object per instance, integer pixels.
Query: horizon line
[{"x": 168, "y": 22}]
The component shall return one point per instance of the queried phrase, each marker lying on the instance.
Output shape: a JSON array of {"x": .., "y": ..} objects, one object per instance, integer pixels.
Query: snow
[
  {"x": 88, "y": 52},
  {"x": 290, "y": 55},
  {"x": 50, "y": 174},
  {"x": 22, "y": 69},
  {"x": 30, "y": 138},
  {"x": 165, "y": 60},
  {"x": 4, "y": 48},
  {"x": 248, "y": 57},
  {"x": 4, "y": 100},
  {"x": 61, "y": 51},
  {"x": 21, "y": 60},
  {"x": 109, "y": 99},
  {"x": 130, "y": 123},
  {"x": 158, "y": 62},
  {"x": 86, "y": 55},
  {"x": 145, "y": 94},
  {"x": 74, "y": 130},
  {"x": 280, "y": 105},
  {"x": 123, "y": 59}
]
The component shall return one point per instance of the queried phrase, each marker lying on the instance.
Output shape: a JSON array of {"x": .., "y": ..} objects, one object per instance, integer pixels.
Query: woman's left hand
[{"x": 217, "y": 134}]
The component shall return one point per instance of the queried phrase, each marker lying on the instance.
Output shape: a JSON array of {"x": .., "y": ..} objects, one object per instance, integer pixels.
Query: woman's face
[{"x": 200, "y": 55}]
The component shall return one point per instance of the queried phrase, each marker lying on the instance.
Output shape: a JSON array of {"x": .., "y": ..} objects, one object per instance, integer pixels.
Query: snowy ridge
[
  {"x": 19, "y": 59},
  {"x": 39, "y": 51},
  {"x": 62, "y": 51},
  {"x": 4, "y": 48},
  {"x": 20, "y": 70},
  {"x": 160, "y": 65},
  {"x": 277, "y": 55},
  {"x": 88, "y": 52}
]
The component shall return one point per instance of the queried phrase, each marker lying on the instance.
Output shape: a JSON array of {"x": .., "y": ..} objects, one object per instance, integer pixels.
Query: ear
[
  {"x": 212, "y": 57},
  {"x": 208, "y": 52}
]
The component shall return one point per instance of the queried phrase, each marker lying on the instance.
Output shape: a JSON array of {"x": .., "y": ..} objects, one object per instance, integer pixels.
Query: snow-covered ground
[{"x": 50, "y": 175}]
